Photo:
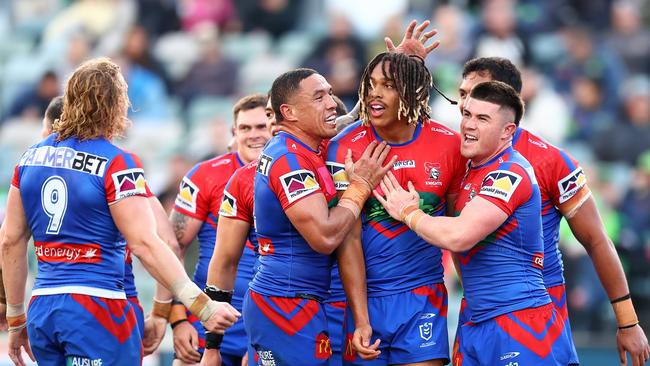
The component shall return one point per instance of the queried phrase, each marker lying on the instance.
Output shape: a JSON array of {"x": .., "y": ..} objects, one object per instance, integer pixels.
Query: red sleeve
[
  {"x": 193, "y": 198},
  {"x": 237, "y": 202},
  {"x": 124, "y": 178},
  {"x": 292, "y": 185},
  {"x": 507, "y": 188},
  {"x": 15, "y": 179}
]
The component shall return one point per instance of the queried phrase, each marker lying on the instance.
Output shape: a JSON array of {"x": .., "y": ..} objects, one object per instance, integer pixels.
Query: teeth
[
  {"x": 468, "y": 137},
  {"x": 376, "y": 107}
]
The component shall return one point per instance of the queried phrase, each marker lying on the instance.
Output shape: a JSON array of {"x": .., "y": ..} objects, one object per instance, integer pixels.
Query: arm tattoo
[{"x": 179, "y": 223}]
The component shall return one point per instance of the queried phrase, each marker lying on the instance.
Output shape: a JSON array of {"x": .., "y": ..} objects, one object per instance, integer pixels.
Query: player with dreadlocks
[{"x": 397, "y": 301}]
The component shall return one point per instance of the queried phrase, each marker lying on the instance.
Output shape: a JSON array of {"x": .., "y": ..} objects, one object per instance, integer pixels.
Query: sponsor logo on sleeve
[
  {"x": 228, "y": 206},
  {"x": 403, "y": 164},
  {"x": 298, "y": 184},
  {"x": 187, "y": 194},
  {"x": 340, "y": 178},
  {"x": 129, "y": 182},
  {"x": 500, "y": 184},
  {"x": 571, "y": 184},
  {"x": 264, "y": 164}
]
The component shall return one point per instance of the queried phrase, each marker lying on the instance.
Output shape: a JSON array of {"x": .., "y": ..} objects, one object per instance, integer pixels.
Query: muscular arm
[
  {"x": 136, "y": 220},
  {"x": 588, "y": 228},
  {"x": 14, "y": 248},
  {"x": 231, "y": 240},
  {"x": 185, "y": 230},
  {"x": 352, "y": 268},
  {"x": 324, "y": 229},
  {"x": 478, "y": 219}
]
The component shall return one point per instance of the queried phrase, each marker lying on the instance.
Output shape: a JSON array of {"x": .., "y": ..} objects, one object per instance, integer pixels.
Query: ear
[
  {"x": 232, "y": 130},
  {"x": 288, "y": 112},
  {"x": 509, "y": 131}
]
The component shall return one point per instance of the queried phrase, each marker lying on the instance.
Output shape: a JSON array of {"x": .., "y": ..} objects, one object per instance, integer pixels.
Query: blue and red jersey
[
  {"x": 66, "y": 188},
  {"x": 237, "y": 203},
  {"x": 199, "y": 196},
  {"x": 398, "y": 260},
  {"x": 503, "y": 272},
  {"x": 288, "y": 171},
  {"x": 563, "y": 188}
]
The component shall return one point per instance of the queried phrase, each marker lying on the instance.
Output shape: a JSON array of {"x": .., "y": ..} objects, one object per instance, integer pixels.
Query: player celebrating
[
  {"x": 403, "y": 271},
  {"x": 565, "y": 193},
  {"x": 497, "y": 238},
  {"x": 78, "y": 289},
  {"x": 296, "y": 231},
  {"x": 196, "y": 214}
]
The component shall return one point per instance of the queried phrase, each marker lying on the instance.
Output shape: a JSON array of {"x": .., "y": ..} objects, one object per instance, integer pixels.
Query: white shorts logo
[{"x": 426, "y": 331}]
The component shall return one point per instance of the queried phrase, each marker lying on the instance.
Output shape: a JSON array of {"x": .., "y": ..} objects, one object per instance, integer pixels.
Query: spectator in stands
[
  {"x": 31, "y": 104},
  {"x": 628, "y": 37},
  {"x": 588, "y": 117}
]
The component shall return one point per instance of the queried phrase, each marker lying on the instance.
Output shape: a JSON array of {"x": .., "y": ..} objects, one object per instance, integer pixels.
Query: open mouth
[
  {"x": 376, "y": 109},
  {"x": 470, "y": 139}
]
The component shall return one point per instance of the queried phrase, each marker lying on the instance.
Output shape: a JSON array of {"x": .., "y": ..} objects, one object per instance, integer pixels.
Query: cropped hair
[
  {"x": 498, "y": 68},
  {"x": 285, "y": 87},
  {"x": 499, "y": 93},
  {"x": 247, "y": 103},
  {"x": 53, "y": 111}
]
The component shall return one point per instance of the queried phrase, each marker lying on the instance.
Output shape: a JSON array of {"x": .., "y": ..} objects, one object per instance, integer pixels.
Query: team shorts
[
  {"x": 139, "y": 314},
  {"x": 285, "y": 331},
  {"x": 412, "y": 327},
  {"x": 558, "y": 296},
  {"x": 534, "y": 336},
  {"x": 335, "y": 312},
  {"x": 73, "y": 329}
]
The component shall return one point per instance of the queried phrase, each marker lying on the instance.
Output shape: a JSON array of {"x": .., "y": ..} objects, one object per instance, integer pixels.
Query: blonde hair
[{"x": 95, "y": 102}]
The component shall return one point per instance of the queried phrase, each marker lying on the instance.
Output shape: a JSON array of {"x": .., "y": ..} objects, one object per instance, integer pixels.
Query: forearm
[
  {"x": 609, "y": 268},
  {"x": 352, "y": 269},
  {"x": 443, "y": 232},
  {"x": 159, "y": 261},
  {"x": 222, "y": 273},
  {"x": 14, "y": 256},
  {"x": 163, "y": 226}
]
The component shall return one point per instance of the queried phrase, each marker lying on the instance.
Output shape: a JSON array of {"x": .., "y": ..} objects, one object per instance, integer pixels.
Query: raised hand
[
  {"x": 414, "y": 41},
  {"x": 397, "y": 199},
  {"x": 368, "y": 169}
]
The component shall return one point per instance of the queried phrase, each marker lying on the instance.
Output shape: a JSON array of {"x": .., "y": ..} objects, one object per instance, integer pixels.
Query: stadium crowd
[{"x": 585, "y": 70}]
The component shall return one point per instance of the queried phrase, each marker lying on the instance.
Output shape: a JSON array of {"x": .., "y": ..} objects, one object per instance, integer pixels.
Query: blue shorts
[
  {"x": 139, "y": 314},
  {"x": 535, "y": 336},
  {"x": 285, "y": 331},
  {"x": 335, "y": 312},
  {"x": 558, "y": 296},
  {"x": 412, "y": 327},
  {"x": 71, "y": 329},
  {"x": 463, "y": 317}
]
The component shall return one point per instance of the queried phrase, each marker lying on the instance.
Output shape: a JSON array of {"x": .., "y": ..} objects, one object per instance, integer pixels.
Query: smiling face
[
  {"x": 486, "y": 128},
  {"x": 383, "y": 98},
  {"x": 251, "y": 133},
  {"x": 314, "y": 108}
]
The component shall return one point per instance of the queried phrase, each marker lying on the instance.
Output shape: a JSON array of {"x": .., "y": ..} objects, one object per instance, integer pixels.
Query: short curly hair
[{"x": 95, "y": 102}]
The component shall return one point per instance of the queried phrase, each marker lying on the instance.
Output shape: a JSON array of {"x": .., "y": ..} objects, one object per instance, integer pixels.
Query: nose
[{"x": 331, "y": 103}]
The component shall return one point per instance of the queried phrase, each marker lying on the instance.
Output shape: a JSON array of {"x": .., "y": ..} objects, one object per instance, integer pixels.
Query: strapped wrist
[
  {"x": 624, "y": 310},
  {"x": 161, "y": 308}
]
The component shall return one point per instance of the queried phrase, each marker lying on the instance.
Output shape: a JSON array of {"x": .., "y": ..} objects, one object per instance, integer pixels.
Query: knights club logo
[
  {"x": 432, "y": 170},
  {"x": 129, "y": 182},
  {"x": 298, "y": 184}
]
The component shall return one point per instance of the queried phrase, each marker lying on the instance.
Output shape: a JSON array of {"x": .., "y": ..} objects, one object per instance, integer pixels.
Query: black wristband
[
  {"x": 174, "y": 324},
  {"x": 629, "y": 326},
  {"x": 218, "y": 294},
  {"x": 213, "y": 340},
  {"x": 622, "y": 298}
]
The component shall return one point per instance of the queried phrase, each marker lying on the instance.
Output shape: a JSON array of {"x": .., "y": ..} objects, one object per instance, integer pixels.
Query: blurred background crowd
[{"x": 585, "y": 65}]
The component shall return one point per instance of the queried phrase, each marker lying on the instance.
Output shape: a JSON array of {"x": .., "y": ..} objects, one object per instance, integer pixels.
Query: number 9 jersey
[{"x": 66, "y": 189}]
